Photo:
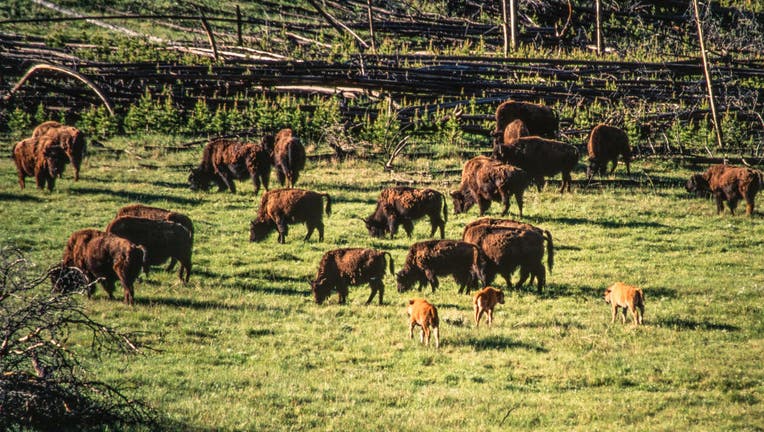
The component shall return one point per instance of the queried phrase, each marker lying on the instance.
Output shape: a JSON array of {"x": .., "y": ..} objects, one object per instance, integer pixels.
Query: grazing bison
[
  {"x": 432, "y": 258},
  {"x": 281, "y": 207},
  {"x": 539, "y": 157},
  {"x": 494, "y": 181},
  {"x": 605, "y": 144},
  {"x": 464, "y": 197},
  {"x": 148, "y": 212},
  {"x": 71, "y": 139},
  {"x": 728, "y": 183},
  {"x": 508, "y": 245},
  {"x": 288, "y": 157},
  {"x": 224, "y": 160},
  {"x": 340, "y": 268},
  {"x": 401, "y": 205},
  {"x": 39, "y": 158},
  {"x": 105, "y": 257},
  {"x": 423, "y": 314},
  {"x": 539, "y": 119},
  {"x": 162, "y": 240}
]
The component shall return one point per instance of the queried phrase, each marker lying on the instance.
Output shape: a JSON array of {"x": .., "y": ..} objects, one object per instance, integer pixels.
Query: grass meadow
[{"x": 243, "y": 346}]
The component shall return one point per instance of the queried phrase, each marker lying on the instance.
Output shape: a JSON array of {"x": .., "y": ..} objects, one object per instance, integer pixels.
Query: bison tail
[
  {"x": 549, "y": 250},
  {"x": 478, "y": 264},
  {"x": 328, "y": 204},
  {"x": 144, "y": 258},
  {"x": 392, "y": 265},
  {"x": 445, "y": 208}
]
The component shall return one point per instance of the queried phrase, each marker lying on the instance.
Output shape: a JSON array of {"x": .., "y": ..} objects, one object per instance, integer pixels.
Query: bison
[
  {"x": 540, "y": 157},
  {"x": 515, "y": 129},
  {"x": 423, "y": 314},
  {"x": 105, "y": 257},
  {"x": 69, "y": 138},
  {"x": 508, "y": 245},
  {"x": 162, "y": 240},
  {"x": 432, "y": 258},
  {"x": 148, "y": 212},
  {"x": 340, "y": 268},
  {"x": 41, "y": 159},
  {"x": 463, "y": 198},
  {"x": 493, "y": 181},
  {"x": 401, "y": 205},
  {"x": 288, "y": 157},
  {"x": 281, "y": 207},
  {"x": 539, "y": 119},
  {"x": 728, "y": 183},
  {"x": 606, "y": 144},
  {"x": 224, "y": 160}
]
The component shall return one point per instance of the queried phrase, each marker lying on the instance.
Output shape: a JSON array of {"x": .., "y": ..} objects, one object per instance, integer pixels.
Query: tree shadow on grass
[
  {"x": 134, "y": 196},
  {"x": 21, "y": 198},
  {"x": 689, "y": 324},
  {"x": 601, "y": 222},
  {"x": 587, "y": 292},
  {"x": 183, "y": 302},
  {"x": 494, "y": 342}
]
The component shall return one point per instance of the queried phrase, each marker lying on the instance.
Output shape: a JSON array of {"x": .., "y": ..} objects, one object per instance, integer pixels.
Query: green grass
[{"x": 243, "y": 347}]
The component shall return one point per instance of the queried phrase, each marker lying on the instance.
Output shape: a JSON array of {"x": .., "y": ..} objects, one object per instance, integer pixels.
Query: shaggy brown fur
[
  {"x": 484, "y": 301},
  {"x": 403, "y": 205},
  {"x": 162, "y": 240},
  {"x": 540, "y": 157},
  {"x": 71, "y": 139},
  {"x": 508, "y": 247},
  {"x": 148, "y": 212},
  {"x": 730, "y": 184},
  {"x": 224, "y": 160},
  {"x": 515, "y": 129},
  {"x": 41, "y": 159},
  {"x": 626, "y": 297},
  {"x": 422, "y": 313},
  {"x": 539, "y": 119},
  {"x": 281, "y": 207},
  {"x": 288, "y": 157},
  {"x": 606, "y": 144},
  {"x": 464, "y": 197},
  {"x": 429, "y": 259},
  {"x": 485, "y": 180},
  {"x": 340, "y": 268},
  {"x": 103, "y": 255}
]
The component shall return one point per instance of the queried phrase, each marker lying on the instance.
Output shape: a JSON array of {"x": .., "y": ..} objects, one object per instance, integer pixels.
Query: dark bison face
[
  {"x": 698, "y": 185},
  {"x": 459, "y": 200},
  {"x": 55, "y": 159},
  {"x": 320, "y": 289},
  {"x": 595, "y": 167},
  {"x": 199, "y": 179},
  {"x": 376, "y": 228},
  {"x": 259, "y": 229},
  {"x": 406, "y": 278},
  {"x": 268, "y": 142}
]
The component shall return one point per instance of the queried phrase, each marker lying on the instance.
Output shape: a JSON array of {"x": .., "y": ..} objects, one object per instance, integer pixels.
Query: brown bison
[
  {"x": 464, "y": 198},
  {"x": 340, "y": 268},
  {"x": 508, "y": 245},
  {"x": 423, "y": 314},
  {"x": 162, "y": 240},
  {"x": 224, "y": 160},
  {"x": 727, "y": 183},
  {"x": 494, "y": 181},
  {"x": 288, "y": 157},
  {"x": 39, "y": 158},
  {"x": 606, "y": 144},
  {"x": 540, "y": 157},
  {"x": 107, "y": 258},
  {"x": 71, "y": 139},
  {"x": 281, "y": 207},
  {"x": 148, "y": 212},
  {"x": 539, "y": 119},
  {"x": 401, "y": 205},
  {"x": 515, "y": 129},
  {"x": 432, "y": 258}
]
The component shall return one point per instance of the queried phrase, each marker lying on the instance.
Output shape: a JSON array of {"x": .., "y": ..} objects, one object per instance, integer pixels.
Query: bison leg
[
  {"x": 540, "y": 274},
  {"x": 185, "y": 267},
  {"x": 615, "y": 164},
  {"x": 280, "y": 174},
  {"x": 432, "y": 279},
  {"x": 489, "y": 313},
  {"x": 483, "y": 205},
  {"x": 283, "y": 229},
  {"x": 342, "y": 292},
  {"x": 256, "y": 182},
  {"x": 478, "y": 315},
  {"x": 310, "y": 232},
  {"x": 426, "y": 334},
  {"x": 623, "y": 315},
  {"x": 614, "y": 310},
  {"x": 22, "y": 179},
  {"x": 732, "y": 203},
  {"x": 566, "y": 180},
  {"x": 539, "y": 180},
  {"x": 641, "y": 312},
  {"x": 411, "y": 330},
  {"x": 228, "y": 180},
  {"x": 376, "y": 287},
  {"x": 719, "y": 202},
  {"x": 108, "y": 286},
  {"x": 505, "y": 202},
  {"x": 436, "y": 223},
  {"x": 408, "y": 226},
  {"x": 519, "y": 199}
]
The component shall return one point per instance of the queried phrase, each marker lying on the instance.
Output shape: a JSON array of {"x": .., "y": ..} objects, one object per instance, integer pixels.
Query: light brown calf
[
  {"x": 422, "y": 313},
  {"x": 485, "y": 300},
  {"x": 626, "y": 296}
]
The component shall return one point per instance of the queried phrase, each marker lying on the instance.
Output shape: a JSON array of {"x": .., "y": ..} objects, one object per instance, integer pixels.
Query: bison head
[
  {"x": 268, "y": 142},
  {"x": 607, "y": 294},
  {"x": 375, "y": 227},
  {"x": 407, "y": 277},
  {"x": 698, "y": 185},
  {"x": 462, "y": 201},
  {"x": 259, "y": 229},
  {"x": 199, "y": 179},
  {"x": 595, "y": 166},
  {"x": 55, "y": 160},
  {"x": 320, "y": 289}
]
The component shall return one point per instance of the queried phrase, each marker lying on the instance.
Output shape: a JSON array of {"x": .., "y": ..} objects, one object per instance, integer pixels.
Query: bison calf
[
  {"x": 626, "y": 297},
  {"x": 429, "y": 259},
  {"x": 288, "y": 157},
  {"x": 41, "y": 159},
  {"x": 422, "y": 313},
  {"x": 224, "y": 161},
  {"x": 484, "y": 302},
  {"x": 340, "y": 268},
  {"x": 606, "y": 144},
  {"x": 728, "y": 183},
  {"x": 162, "y": 240},
  {"x": 69, "y": 138},
  {"x": 281, "y": 207},
  {"x": 403, "y": 205},
  {"x": 540, "y": 157},
  {"x": 105, "y": 257}
]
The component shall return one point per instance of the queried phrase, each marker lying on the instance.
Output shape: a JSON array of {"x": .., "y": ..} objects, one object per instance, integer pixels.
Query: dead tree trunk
[{"x": 707, "y": 73}]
